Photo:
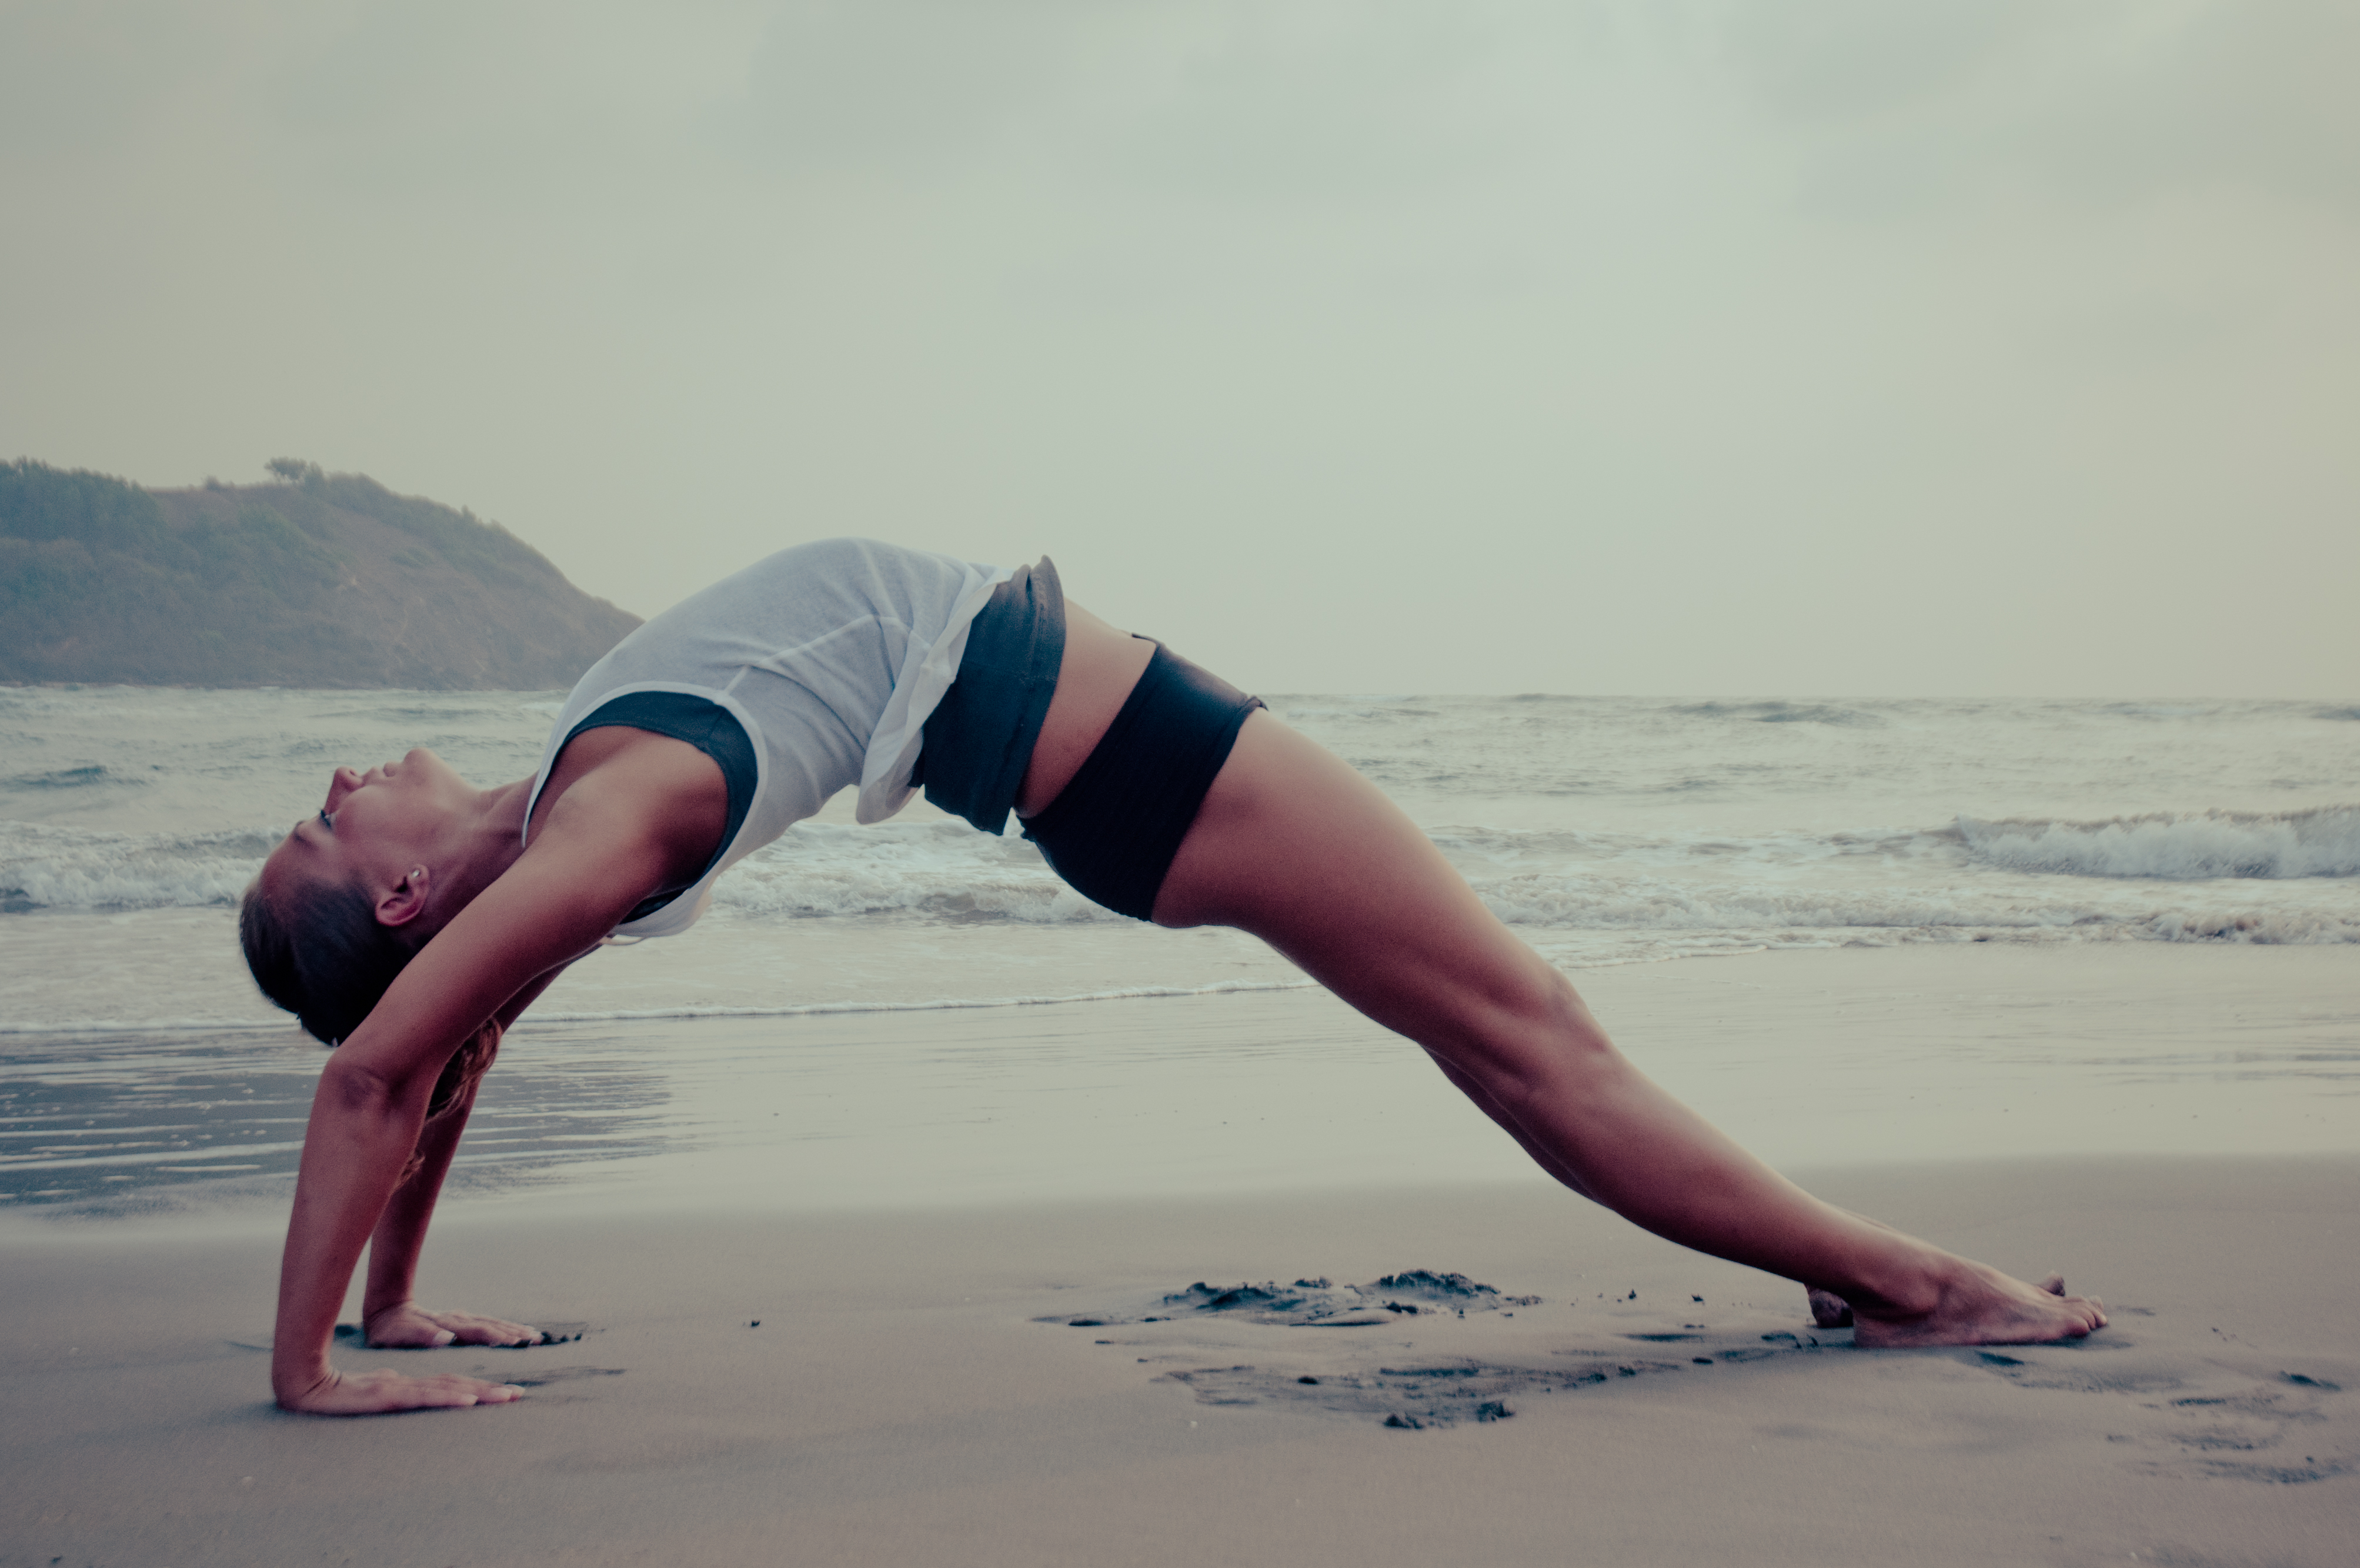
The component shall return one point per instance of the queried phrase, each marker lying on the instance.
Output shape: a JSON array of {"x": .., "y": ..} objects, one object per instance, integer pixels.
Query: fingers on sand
[{"x": 1829, "y": 1310}]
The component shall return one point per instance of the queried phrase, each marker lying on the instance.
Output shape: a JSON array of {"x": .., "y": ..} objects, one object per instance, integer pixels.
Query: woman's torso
[{"x": 830, "y": 656}]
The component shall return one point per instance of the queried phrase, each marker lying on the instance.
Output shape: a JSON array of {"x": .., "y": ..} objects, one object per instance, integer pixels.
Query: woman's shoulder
[{"x": 617, "y": 788}]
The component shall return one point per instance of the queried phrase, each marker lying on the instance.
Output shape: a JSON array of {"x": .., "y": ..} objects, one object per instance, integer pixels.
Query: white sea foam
[
  {"x": 941, "y": 868},
  {"x": 73, "y": 868},
  {"x": 191, "y": 1023},
  {"x": 2213, "y": 844},
  {"x": 1642, "y": 904}
]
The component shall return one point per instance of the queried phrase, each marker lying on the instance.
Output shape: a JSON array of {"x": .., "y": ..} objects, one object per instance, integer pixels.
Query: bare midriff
[{"x": 1101, "y": 663}]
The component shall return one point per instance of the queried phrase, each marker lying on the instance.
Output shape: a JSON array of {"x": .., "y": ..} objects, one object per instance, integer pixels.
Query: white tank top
[{"x": 831, "y": 654}]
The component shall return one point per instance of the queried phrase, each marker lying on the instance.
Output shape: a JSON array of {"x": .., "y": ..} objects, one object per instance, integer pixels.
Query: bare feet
[{"x": 1974, "y": 1305}]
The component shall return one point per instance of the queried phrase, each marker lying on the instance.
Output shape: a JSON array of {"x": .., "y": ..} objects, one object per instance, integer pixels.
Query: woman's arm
[
  {"x": 362, "y": 1131},
  {"x": 391, "y": 1318},
  {"x": 390, "y": 1315},
  {"x": 370, "y": 1107}
]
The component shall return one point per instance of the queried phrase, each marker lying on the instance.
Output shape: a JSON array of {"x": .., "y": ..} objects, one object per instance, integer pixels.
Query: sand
[{"x": 980, "y": 1385}]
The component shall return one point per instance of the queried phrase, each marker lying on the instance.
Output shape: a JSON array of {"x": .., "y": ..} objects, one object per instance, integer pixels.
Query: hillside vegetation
[{"x": 317, "y": 580}]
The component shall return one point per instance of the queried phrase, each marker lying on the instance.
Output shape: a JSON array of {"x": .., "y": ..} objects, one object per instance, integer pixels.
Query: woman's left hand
[{"x": 409, "y": 1326}]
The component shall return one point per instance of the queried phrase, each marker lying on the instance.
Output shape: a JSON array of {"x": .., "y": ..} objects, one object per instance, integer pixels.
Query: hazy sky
[{"x": 1829, "y": 346}]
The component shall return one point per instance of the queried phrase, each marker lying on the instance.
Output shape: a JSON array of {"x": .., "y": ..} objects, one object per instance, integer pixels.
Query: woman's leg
[{"x": 1294, "y": 846}]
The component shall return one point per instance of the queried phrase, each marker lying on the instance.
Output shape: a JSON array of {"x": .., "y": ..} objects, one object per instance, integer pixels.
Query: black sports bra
[{"x": 711, "y": 730}]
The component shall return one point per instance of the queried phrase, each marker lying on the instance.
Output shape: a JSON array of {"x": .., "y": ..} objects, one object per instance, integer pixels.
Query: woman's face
[{"x": 374, "y": 827}]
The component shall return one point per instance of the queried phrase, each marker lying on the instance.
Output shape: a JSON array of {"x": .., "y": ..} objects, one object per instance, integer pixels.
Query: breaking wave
[
  {"x": 70, "y": 868},
  {"x": 1562, "y": 903},
  {"x": 1782, "y": 713},
  {"x": 2319, "y": 843}
]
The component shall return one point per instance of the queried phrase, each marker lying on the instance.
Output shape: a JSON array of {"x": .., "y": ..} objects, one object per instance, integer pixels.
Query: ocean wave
[
  {"x": 1551, "y": 877},
  {"x": 1584, "y": 903},
  {"x": 68, "y": 778},
  {"x": 1782, "y": 713},
  {"x": 194, "y": 1023},
  {"x": 70, "y": 868},
  {"x": 944, "y": 870},
  {"x": 2180, "y": 848},
  {"x": 2161, "y": 709},
  {"x": 1386, "y": 708}
]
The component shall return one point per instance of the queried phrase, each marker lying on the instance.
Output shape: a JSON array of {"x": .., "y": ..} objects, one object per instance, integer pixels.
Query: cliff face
[{"x": 324, "y": 580}]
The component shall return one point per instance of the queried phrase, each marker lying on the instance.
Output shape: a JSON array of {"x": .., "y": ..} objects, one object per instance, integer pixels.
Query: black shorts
[
  {"x": 1113, "y": 830},
  {"x": 979, "y": 736}
]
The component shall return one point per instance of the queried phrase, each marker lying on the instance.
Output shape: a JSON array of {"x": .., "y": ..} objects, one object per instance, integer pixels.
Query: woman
[{"x": 416, "y": 916}]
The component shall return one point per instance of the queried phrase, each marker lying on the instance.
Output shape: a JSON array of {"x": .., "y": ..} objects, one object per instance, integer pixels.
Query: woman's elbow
[{"x": 360, "y": 1091}]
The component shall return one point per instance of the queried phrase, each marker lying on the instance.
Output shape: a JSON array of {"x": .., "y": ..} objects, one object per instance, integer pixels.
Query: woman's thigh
[{"x": 1294, "y": 846}]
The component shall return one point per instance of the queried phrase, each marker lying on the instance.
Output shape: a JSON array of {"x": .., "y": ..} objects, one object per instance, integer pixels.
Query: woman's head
[{"x": 349, "y": 897}]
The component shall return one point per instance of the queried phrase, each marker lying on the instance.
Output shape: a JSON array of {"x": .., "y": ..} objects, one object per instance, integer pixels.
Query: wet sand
[
  {"x": 919, "y": 1390},
  {"x": 980, "y": 1384}
]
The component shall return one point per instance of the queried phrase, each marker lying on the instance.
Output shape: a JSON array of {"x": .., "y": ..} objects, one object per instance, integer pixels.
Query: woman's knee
[{"x": 1534, "y": 1035}]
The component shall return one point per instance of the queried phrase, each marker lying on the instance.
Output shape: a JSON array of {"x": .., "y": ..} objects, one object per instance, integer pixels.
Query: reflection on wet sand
[
  {"x": 1810, "y": 1059},
  {"x": 148, "y": 1124}
]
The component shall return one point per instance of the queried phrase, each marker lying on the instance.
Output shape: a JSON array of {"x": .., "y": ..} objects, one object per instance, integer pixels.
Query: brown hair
[
  {"x": 319, "y": 952},
  {"x": 326, "y": 958}
]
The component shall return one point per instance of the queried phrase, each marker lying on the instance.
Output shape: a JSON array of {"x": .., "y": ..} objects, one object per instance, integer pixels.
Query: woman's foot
[{"x": 1973, "y": 1305}]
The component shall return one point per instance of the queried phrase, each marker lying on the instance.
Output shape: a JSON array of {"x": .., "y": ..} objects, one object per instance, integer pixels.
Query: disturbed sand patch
[
  {"x": 1476, "y": 1353},
  {"x": 1429, "y": 1349}
]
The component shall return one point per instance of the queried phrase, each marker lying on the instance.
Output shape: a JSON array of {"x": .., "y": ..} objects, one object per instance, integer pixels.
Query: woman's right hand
[
  {"x": 406, "y": 1325},
  {"x": 381, "y": 1393}
]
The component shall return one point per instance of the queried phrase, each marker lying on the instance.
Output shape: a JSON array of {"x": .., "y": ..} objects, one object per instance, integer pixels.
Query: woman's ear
[{"x": 406, "y": 902}]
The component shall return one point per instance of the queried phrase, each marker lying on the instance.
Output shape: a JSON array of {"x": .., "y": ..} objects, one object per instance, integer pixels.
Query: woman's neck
[{"x": 487, "y": 839}]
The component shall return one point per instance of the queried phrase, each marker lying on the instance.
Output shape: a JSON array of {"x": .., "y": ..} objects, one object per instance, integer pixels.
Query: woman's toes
[{"x": 2054, "y": 1284}]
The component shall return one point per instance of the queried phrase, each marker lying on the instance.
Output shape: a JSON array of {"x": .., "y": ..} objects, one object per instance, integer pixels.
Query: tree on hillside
[{"x": 295, "y": 471}]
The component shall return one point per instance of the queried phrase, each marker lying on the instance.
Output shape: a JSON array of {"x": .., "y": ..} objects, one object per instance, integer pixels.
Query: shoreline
[{"x": 1815, "y": 1059}]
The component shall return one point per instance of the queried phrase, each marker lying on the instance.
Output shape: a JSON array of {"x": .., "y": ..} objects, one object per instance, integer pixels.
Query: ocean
[{"x": 1606, "y": 831}]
